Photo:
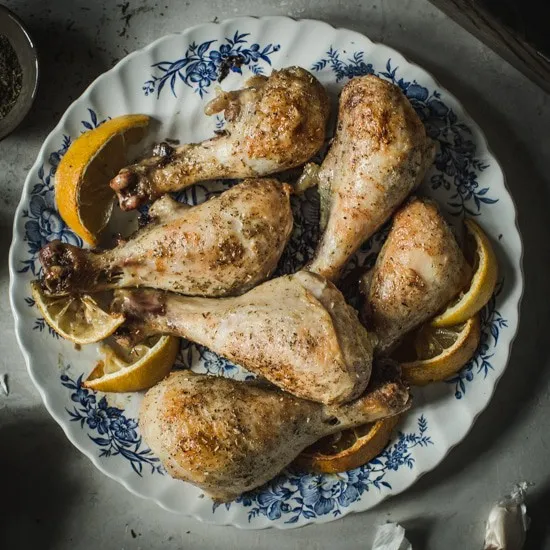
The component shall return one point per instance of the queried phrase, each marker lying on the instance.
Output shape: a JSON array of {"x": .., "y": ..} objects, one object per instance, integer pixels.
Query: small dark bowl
[{"x": 12, "y": 28}]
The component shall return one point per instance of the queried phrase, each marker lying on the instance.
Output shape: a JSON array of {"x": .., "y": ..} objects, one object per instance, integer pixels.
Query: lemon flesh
[
  {"x": 433, "y": 354},
  {"x": 482, "y": 285},
  {"x": 139, "y": 369},
  {"x": 82, "y": 192},
  {"x": 348, "y": 449},
  {"x": 76, "y": 318}
]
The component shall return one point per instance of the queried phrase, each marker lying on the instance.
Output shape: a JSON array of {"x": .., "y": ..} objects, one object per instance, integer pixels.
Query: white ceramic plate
[{"x": 171, "y": 80}]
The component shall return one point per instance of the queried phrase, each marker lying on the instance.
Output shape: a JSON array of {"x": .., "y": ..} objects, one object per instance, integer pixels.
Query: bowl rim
[{"x": 18, "y": 23}]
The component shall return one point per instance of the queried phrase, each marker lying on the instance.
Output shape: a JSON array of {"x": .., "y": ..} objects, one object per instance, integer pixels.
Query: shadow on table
[
  {"x": 37, "y": 490},
  {"x": 538, "y": 506},
  {"x": 69, "y": 62}
]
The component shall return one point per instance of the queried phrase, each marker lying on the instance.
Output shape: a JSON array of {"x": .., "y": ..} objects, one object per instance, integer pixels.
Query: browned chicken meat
[
  {"x": 228, "y": 437},
  {"x": 418, "y": 271},
  {"x": 296, "y": 331},
  {"x": 379, "y": 155},
  {"x": 221, "y": 247},
  {"x": 276, "y": 123}
]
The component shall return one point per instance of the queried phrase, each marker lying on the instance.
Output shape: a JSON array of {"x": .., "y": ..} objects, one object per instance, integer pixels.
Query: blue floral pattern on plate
[
  {"x": 200, "y": 66},
  {"x": 117, "y": 434},
  {"x": 296, "y": 495},
  {"x": 492, "y": 324}
]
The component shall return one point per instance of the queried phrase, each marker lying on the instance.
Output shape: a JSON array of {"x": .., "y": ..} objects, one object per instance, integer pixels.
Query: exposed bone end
[
  {"x": 137, "y": 306},
  {"x": 386, "y": 395},
  {"x": 131, "y": 188},
  {"x": 65, "y": 268}
]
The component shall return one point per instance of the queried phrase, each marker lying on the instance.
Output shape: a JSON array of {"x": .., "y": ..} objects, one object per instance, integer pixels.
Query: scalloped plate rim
[{"x": 41, "y": 158}]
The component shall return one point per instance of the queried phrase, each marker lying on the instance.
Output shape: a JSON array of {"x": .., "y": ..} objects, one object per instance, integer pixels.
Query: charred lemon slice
[
  {"x": 431, "y": 354},
  {"x": 348, "y": 449},
  {"x": 77, "y": 318}
]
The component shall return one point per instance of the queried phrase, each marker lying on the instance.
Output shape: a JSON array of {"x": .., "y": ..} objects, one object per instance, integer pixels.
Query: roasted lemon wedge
[
  {"x": 348, "y": 449},
  {"x": 76, "y": 318},
  {"x": 482, "y": 285},
  {"x": 138, "y": 369},
  {"x": 82, "y": 193},
  {"x": 430, "y": 353}
]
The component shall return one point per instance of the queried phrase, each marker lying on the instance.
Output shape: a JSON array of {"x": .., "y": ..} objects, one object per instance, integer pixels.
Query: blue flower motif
[
  {"x": 395, "y": 460},
  {"x": 274, "y": 502},
  {"x": 208, "y": 362},
  {"x": 98, "y": 419},
  {"x": 319, "y": 492},
  {"x": 46, "y": 224},
  {"x": 83, "y": 396},
  {"x": 203, "y": 73},
  {"x": 117, "y": 434},
  {"x": 417, "y": 92},
  {"x": 200, "y": 65},
  {"x": 125, "y": 428}
]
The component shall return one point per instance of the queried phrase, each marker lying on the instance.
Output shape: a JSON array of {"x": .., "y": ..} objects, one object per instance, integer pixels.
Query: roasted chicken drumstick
[
  {"x": 276, "y": 123},
  {"x": 380, "y": 153},
  {"x": 296, "y": 331},
  {"x": 221, "y": 247},
  {"x": 418, "y": 271},
  {"x": 229, "y": 437}
]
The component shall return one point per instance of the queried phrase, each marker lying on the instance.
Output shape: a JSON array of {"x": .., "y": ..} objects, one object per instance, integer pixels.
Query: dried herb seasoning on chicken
[
  {"x": 221, "y": 247},
  {"x": 275, "y": 123},
  {"x": 380, "y": 154},
  {"x": 296, "y": 331}
]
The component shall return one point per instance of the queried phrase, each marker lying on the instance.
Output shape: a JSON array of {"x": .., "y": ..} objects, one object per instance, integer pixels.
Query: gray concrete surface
[{"x": 51, "y": 497}]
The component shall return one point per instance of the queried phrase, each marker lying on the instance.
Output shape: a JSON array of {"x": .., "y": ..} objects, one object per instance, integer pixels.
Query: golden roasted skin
[
  {"x": 276, "y": 123},
  {"x": 296, "y": 331},
  {"x": 379, "y": 155},
  {"x": 418, "y": 271},
  {"x": 221, "y": 247},
  {"x": 228, "y": 437}
]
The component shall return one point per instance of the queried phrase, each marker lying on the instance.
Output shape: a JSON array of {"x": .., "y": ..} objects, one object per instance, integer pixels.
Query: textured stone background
[{"x": 52, "y": 497}]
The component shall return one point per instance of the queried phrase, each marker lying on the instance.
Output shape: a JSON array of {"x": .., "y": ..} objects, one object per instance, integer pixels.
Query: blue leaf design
[
  {"x": 117, "y": 432},
  {"x": 291, "y": 520},
  {"x": 492, "y": 323},
  {"x": 100, "y": 441},
  {"x": 456, "y": 161},
  {"x": 200, "y": 66},
  {"x": 204, "y": 47}
]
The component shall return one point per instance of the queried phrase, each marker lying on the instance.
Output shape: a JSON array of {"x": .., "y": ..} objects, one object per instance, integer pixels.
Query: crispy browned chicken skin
[
  {"x": 379, "y": 155},
  {"x": 223, "y": 246},
  {"x": 276, "y": 123},
  {"x": 418, "y": 271},
  {"x": 229, "y": 437}
]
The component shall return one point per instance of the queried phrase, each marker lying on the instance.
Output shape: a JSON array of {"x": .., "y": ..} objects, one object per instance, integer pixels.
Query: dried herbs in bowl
[
  {"x": 18, "y": 72},
  {"x": 11, "y": 76}
]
